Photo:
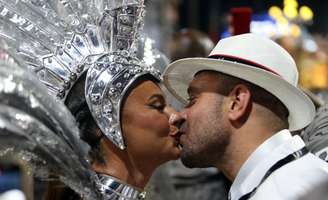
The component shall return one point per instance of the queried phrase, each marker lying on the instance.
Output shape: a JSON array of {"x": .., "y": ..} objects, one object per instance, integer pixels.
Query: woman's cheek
[{"x": 160, "y": 124}]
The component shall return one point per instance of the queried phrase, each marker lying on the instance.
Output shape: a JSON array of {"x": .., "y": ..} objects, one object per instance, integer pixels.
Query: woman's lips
[
  {"x": 178, "y": 143},
  {"x": 176, "y": 137},
  {"x": 176, "y": 134}
]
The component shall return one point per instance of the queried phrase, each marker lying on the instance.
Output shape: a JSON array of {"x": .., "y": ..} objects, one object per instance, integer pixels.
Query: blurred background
[{"x": 300, "y": 26}]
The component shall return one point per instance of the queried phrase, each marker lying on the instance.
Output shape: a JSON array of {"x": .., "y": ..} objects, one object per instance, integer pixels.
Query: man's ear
[{"x": 239, "y": 104}]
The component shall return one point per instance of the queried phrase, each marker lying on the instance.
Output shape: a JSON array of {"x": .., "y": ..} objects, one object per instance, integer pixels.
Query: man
[
  {"x": 243, "y": 101},
  {"x": 196, "y": 183}
]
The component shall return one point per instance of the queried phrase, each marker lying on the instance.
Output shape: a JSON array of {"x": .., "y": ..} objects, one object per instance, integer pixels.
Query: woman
[
  {"x": 114, "y": 97},
  {"x": 150, "y": 140}
]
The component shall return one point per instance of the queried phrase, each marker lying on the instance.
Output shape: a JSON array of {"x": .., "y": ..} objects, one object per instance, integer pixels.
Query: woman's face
[{"x": 146, "y": 129}]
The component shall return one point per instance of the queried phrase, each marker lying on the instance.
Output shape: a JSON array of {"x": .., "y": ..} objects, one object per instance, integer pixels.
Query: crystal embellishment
[
  {"x": 116, "y": 83},
  {"x": 117, "y": 69}
]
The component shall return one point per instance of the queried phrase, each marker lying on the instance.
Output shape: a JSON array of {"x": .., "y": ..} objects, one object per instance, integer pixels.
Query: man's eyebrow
[{"x": 193, "y": 89}]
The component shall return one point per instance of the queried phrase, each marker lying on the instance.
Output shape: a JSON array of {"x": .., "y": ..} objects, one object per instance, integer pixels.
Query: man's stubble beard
[{"x": 208, "y": 141}]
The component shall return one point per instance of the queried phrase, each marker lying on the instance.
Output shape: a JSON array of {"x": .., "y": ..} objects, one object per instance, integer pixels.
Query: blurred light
[
  {"x": 12, "y": 194},
  {"x": 275, "y": 12},
  {"x": 291, "y": 3},
  {"x": 266, "y": 28},
  {"x": 310, "y": 45},
  {"x": 282, "y": 21},
  {"x": 290, "y": 12},
  {"x": 306, "y": 13},
  {"x": 295, "y": 30}
]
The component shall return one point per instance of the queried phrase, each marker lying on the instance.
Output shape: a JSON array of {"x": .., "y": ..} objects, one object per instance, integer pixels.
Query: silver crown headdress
[
  {"x": 58, "y": 48},
  {"x": 112, "y": 74},
  {"x": 61, "y": 40}
]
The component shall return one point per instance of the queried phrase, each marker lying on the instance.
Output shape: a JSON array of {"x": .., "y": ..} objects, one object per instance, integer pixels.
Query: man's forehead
[{"x": 204, "y": 81}]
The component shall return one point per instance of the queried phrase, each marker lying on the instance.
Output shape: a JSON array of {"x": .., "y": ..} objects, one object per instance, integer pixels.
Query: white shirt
[{"x": 291, "y": 181}]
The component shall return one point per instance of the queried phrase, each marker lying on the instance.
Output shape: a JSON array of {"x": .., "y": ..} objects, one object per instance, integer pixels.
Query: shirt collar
[{"x": 267, "y": 154}]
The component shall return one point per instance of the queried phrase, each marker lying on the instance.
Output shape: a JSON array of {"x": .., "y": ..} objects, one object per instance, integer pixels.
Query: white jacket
[{"x": 299, "y": 179}]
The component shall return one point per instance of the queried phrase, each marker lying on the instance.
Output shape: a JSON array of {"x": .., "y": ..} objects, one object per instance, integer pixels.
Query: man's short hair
[{"x": 258, "y": 95}]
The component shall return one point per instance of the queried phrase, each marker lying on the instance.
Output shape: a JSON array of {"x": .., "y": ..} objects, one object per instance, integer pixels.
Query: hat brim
[{"x": 179, "y": 74}]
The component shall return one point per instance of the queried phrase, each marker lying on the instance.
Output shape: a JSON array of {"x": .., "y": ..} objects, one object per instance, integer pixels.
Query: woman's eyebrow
[{"x": 156, "y": 96}]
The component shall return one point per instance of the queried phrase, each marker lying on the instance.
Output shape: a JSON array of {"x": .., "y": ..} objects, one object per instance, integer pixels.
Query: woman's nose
[
  {"x": 173, "y": 115},
  {"x": 169, "y": 111},
  {"x": 176, "y": 119}
]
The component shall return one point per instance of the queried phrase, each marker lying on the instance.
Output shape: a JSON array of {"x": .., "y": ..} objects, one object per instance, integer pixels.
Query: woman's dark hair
[{"x": 89, "y": 130}]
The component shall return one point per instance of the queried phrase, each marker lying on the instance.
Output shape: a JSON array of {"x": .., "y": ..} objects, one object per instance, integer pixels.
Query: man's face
[{"x": 204, "y": 134}]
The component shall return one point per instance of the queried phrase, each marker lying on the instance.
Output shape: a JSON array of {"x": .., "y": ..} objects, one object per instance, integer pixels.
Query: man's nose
[{"x": 177, "y": 119}]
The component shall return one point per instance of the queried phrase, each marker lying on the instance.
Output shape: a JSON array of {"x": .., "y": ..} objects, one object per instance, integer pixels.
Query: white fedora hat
[{"x": 253, "y": 58}]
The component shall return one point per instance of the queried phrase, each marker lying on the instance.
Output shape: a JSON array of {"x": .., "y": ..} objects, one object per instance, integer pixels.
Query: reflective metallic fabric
[
  {"x": 57, "y": 47},
  {"x": 110, "y": 76},
  {"x": 113, "y": 189},
  {"x": 36, "y": 129}
]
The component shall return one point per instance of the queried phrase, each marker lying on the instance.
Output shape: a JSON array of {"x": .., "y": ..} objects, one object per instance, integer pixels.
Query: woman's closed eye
[
  {"x": 157, "y": 102},
  {"x": 158, "y": 106}
]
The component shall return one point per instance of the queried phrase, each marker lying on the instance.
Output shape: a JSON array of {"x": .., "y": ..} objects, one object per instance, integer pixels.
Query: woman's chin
[
  {"x": 170, "y": 151},
  {"x": 177, "y": 155},
  {"x": 173, "y": 154},
  {"x": 176, "y": 152}
]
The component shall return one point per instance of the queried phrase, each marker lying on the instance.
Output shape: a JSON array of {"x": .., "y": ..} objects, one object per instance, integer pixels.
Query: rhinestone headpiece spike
[{"x": 112, "y": 74}]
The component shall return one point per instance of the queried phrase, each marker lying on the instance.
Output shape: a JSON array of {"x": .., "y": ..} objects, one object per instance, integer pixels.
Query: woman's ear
[{"x": 239, "y": 104}]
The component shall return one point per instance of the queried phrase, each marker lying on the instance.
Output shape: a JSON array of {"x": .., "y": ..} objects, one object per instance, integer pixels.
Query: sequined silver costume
[
  {"x": 111, "y": 74},
  {"x": 59, "y": 41}
]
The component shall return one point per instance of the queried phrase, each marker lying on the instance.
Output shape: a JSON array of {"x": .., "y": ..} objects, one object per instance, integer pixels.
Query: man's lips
[
  {"x": 181, "y": 140},
  {"x": 177, "y": 134},
  {"x": 183, "y": 128}
]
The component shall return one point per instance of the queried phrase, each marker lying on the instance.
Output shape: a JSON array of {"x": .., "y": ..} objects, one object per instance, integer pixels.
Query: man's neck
[{"x": 243, "y": 144}]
